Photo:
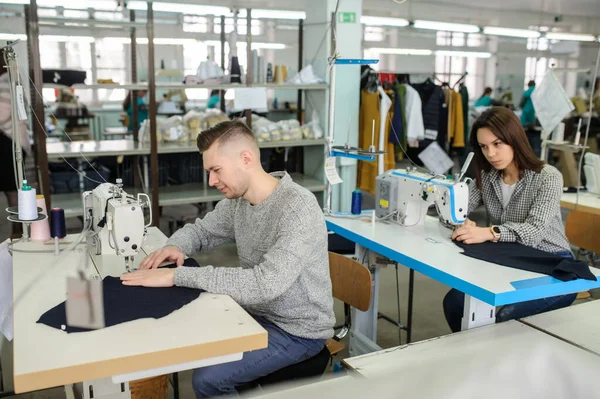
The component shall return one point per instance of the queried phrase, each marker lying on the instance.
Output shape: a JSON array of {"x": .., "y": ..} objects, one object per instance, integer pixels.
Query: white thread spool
[{"x": 27, "y": 202}]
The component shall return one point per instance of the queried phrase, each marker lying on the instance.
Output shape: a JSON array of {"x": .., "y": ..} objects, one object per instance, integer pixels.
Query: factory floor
[{"x": 428, "y": 317}]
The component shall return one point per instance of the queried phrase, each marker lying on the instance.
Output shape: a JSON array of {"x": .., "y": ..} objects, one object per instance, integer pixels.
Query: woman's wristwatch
[{"x": 496, "y": 233}]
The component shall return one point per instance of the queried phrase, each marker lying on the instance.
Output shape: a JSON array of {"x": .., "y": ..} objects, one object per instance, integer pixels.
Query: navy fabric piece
[
  {"x": 125, "y": 303},
  {"x": 397, "y": 120},
  {"x": 519, "y": 256}
]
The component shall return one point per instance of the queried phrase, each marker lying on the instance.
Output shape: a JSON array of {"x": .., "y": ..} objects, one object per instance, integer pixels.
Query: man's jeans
[
  {"x": 454, "y": 306},
  {"x": 283, "y": 350}
]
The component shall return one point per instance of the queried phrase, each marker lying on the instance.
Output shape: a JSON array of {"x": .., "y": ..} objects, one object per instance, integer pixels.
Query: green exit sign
[{"x": 347, "y": 17}]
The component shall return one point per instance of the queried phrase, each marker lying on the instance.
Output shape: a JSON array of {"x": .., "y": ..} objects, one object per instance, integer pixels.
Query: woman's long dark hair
[
  {"x": 507, "y": 127},
  {"x": 127, "y": 101}
]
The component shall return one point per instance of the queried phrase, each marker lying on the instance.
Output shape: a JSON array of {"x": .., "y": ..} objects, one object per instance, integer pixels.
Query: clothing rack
[{"x": 464, "y": 75}]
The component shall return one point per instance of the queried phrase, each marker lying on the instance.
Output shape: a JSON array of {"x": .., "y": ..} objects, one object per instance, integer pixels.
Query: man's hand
[
  {"x": 170, "y": 253},
  {"x": 150, "y": 278},
  {"x": 471, "y": 234}
]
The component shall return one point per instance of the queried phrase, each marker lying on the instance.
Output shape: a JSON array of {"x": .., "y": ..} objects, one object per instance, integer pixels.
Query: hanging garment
[
  {"x": 398, "y": 133},
  {"x": 432, "y": 98},
  {"x": 369, "y": 112},
  {"x": 415, "y": 129},
  {"x": 124, "y": 303},
  {"x": 522, "y": 257},
  {"x": 464, "y": 94},
  {"x": 456, "y": 135}
]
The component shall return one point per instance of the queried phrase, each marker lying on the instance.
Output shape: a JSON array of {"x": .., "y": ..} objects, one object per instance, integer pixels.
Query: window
[
  {"x": 540, "y": 43},
  {"x": 193, "y": 23},
  {"x": 109, "y": 16},
  {"x": 79, "y": 56},
  {"x": 241, "y": 26},
  {"x": 50, "y": 55},
  {"x": 535, "y": 68},
  {"x": 475, "y": 40},
  {"x": 374, "y": 34},
  {"x": 110, "y": 64},
  {"x": 456, "y": 39}
]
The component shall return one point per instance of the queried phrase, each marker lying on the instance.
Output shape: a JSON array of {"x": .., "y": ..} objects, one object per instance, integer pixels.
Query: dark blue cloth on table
[
  {"x": 519, "y": 256},
  {"x": 124, "y": 303}
]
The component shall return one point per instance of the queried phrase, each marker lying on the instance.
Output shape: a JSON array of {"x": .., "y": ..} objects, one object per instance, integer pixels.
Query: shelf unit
[{"x": 312, "y": 150}]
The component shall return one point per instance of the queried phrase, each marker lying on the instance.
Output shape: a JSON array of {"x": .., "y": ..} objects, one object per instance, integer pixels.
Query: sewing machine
[
  {"x": 406, "y": 194},
  {"x": 117, "y": 221}
]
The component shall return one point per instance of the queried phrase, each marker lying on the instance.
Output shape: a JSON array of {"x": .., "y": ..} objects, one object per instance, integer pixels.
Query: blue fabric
[
  {"x": 142, "y": 113},
  {"x": 484, "y": 101},
  {"x": 283, "y": 350},
  {"x": 398, "y": 119},
  {"x": 454, "y": 305},
  {"x": 528, "y": 113},
  {"x": 124, "y": 303}
]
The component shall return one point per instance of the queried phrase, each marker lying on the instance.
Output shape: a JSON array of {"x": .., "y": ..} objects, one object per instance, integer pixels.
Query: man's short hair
[{"x": 223, "y": 132}]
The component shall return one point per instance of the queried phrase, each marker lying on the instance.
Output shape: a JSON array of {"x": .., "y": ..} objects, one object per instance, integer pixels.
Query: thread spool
[
  {"x": 356, "y": 202},
  {"x": 27, "y": 203},
  {"x": 40, "y": 231},
  {"x": 58, "y": 228}
]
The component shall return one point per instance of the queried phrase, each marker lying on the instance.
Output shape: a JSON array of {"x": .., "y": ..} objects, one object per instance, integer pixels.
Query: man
[{"x": 280, "y": 233}]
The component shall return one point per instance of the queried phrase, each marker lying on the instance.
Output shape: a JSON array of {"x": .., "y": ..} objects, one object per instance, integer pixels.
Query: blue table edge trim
[
  {"x": 525, "y": 290},
  {"x": 451, "y": 281}
]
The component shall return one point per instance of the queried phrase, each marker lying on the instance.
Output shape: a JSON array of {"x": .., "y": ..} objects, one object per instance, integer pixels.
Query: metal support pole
[
  {"x": 37, "y": 103},
  {"x": 134, "y": 98},
  {"x": 223, "y": 59},
  {"x": 300, "y": 62},
  {"x": 152, "y": 116},
  {"x": 248, "y": 60},
  {"x": 411, "y": 286}
]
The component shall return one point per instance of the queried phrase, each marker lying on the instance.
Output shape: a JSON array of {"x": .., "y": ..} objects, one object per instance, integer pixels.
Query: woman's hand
[{"x": 469, "y": 233}]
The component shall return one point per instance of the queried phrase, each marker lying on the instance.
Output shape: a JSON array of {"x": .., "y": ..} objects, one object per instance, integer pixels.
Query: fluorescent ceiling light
[
  {"x": 273, "y": 14},
  {"x": 577, "y": 37},
  {"x": 189, "y": 9},
  {"x": 525, "y": 33},
  {"x": 382, "y": 21},
  {"x": 78, "y": 4},
  {"x": 58, "y": 38},
  {"x": 12, "y": 37},
  {"x": 14, "y": 1},
  {"x": 469, "y": 54},
  {"x": 401, "y": 51},
  {"x": 446, "y": 26}
]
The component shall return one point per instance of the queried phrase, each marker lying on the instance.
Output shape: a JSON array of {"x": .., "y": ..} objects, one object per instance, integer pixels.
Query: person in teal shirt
[
  {"x": 142, "y": 108},
  {"x": 486, "y": 98},
  {"x": 214, "y": 100},
  {"x": 528, "y": 114}
]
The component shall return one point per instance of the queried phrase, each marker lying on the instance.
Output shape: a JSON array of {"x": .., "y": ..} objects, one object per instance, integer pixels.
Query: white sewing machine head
[
  {"x": 406, "y": 195},
  {"x": 117, "y": 220}
]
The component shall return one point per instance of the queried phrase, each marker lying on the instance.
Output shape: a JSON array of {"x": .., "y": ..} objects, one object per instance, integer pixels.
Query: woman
[
  {"x": 142, "y": 108},
  {"x": 522, "y": 197},
  {"x": 486, "y": 98},
  {"x": 7, "y": 164}
]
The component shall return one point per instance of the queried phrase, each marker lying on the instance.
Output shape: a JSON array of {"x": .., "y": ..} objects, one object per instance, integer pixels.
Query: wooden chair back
[
  {"x": 583, "y": 230},
  {"x": 351, "y": 281}
]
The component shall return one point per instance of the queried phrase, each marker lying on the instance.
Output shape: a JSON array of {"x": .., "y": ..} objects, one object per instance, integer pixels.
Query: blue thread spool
[
  {"x": 58, "y": 228},
  {"x": 356, "y": 202}
]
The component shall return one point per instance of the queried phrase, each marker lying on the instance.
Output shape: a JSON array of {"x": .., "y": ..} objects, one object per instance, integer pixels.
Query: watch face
[{"x": 496, "y": 229}]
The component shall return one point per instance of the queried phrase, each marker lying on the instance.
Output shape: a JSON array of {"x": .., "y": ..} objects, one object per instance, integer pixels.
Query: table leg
[
  {"x": 411, "y": 286},
  {"x": 477, "y": 313},
  {"x": 363, "y": 334}
]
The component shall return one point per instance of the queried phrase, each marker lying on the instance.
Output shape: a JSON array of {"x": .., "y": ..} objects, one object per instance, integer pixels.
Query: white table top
[
  {"x": 208, "y": 327},
  {"x": 578, "y": 324},
  {"x": 588, "y": 202},
  {"x": 429, "y": 250},
  {"x": 505, "y": 360}
]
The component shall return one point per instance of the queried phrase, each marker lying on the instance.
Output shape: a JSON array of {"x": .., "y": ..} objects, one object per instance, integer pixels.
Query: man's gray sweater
[{"x": 282, "y": 245}]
